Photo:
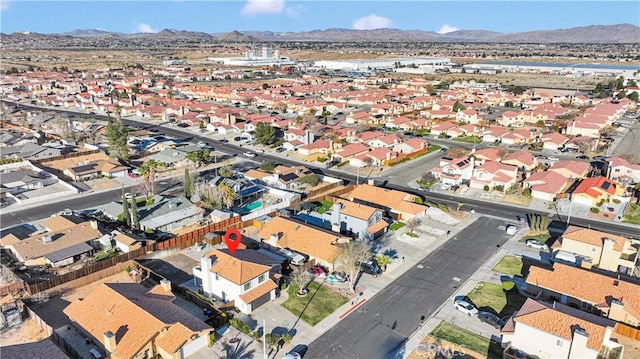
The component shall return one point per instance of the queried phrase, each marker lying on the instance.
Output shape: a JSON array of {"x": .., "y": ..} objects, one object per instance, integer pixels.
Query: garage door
[
  {"x": 260, "y": 301},
  {"x": 194, "y": 346}
]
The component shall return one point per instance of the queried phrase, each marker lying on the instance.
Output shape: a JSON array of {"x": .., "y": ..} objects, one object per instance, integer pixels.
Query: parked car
[
  {"x": 465, "y": 307},
  {"x": 294, "y": 257},
  {"x": 534, "y": 243},
  {"x": 128, "y": 195},
  {"x": 202, "y": 143},
  {"x": 259, "y": 150},
  {"x": 490, "y": 319},
  {"x": 224, "y": 140},
  {"x": 370, "y": 267},
  {"x": 280, "y": 149},
  {"x": 582, "y": 157},
  {"x": 552, "y": 158},
  {"x": 338, "y": 277},
  {"x": 250, "y": 154}
]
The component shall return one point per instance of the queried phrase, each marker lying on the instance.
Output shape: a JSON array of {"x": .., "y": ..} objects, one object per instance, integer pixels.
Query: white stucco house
[{"x": 247, "y": 277}]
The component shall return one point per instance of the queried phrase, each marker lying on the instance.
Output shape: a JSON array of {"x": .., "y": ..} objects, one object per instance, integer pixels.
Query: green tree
[
  {"x": 265, "y": 134},
  {"x": 267, "y": 166},
  {"x": 226, "y": 171},
  {"x": 383, "y": 87},
  {"x": 620, "y": 83},
  {"x": 30, "y": 69},
  {"x": 148, "y": 172},
  {"x": 384, "y": 261},
  {"x": 599, "y": 88},
  {"x": 125, "y": 209},
  {"x": 633, "y": 96},
  {"x": 265, "y": 86},
  {"x": 188, "y": 184},
  {"x": 116, "y": 135},
  {"x": 458, "y": 107},
  {"x": 198, "y": 157},
  {"x": 135, "y": 217}
]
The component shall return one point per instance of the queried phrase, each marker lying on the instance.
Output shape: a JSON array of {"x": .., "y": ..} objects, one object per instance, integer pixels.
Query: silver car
[{"x": 465, "y": 307}]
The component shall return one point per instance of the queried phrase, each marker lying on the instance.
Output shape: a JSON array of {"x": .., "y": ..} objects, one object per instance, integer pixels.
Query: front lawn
[
  {"x": 433, "y": 148},
  {"x": 326, "y": 205},
  {"x": 543, "y": 237},
  {"x": 464, "y": 338},
  {"x": 396, "y": 225},
  {"x": 469, "y": 139},
  {"x": 317, "y": 305},
  {"x": 509, "y": 265},
  {"x": 632, "y": 214},
  {"x": 493, "y": 298}
]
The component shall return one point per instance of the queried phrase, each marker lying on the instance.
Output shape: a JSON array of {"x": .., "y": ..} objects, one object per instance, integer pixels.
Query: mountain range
[{"x": 620, "y": 33}]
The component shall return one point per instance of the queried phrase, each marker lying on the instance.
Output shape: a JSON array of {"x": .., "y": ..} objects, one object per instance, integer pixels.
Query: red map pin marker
[{"x": 232, "y": 244}]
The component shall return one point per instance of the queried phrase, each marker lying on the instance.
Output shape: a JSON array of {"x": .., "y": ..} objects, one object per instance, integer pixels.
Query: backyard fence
[{"x": 627, "y": 331}]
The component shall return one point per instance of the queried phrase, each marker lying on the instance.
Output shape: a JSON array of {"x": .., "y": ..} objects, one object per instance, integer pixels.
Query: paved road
[{"x": 382, "y": 324}]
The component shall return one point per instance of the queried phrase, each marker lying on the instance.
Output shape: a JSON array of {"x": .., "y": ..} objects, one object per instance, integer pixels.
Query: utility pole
[{"x": 264, "y": 338}]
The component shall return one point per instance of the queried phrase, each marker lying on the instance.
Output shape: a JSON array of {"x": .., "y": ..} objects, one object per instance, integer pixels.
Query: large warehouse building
[
  {"x": 378, "y": 64},
  {"x": 269, "y": 57}
]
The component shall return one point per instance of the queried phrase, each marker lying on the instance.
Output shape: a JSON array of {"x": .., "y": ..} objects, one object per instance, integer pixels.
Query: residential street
[{"x": 381, "y": 325}]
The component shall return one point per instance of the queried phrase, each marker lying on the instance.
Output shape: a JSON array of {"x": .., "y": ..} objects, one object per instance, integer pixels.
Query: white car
[
  {"x": 201, "y": 143},
  {"x": 534, "y": 243},
  {"x": 465, "y": 307},
  {"x": 551, "y": 158},
  {"x": 250, "y": 154},
  {"x": 259, "y": 150},
  {"x": 128, "y": 195}
]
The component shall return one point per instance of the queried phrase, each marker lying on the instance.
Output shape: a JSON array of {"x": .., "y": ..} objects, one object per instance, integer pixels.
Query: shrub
[
  {"x": 486, "y": 188},
  {"x": 321, "y": 159},
  {"x": 616, "y": 201},
  {"x": 342, "y": 163},
  {"x": 443, "y": 207},
  {"x": 499, "y": 188},
  {"x": 595, "y": 210},
  {"x": 418, "y": 200},
  {"x": 286, "y": 338}
]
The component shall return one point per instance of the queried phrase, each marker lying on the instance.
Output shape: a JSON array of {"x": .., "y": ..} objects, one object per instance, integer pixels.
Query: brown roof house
[
  {"x": 364, "y": 222},
  {"x": 599, "y": 249},
  {"x": 553, "y": 330},
  {"x": 592, "y": 292},
  {"x": 248, "y": 277},
  {"x": 129, "y": 321},
  {"x": 65, "y": 243},
  {"x": 319, "y": 245},
  {"x": 400, "y": 205},
  {"x": 546, "y": 185}
]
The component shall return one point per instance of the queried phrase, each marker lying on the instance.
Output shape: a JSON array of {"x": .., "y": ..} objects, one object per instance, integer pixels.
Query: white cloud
[
  {"x": 262, "y": 7},
  {"x": 372, "y": 22},
  {"x": 4, "y": 4},
  {"x": 295, "y": 11},
  {"x": 446, "y": 29},
  {"x": 144, "y": 28}
]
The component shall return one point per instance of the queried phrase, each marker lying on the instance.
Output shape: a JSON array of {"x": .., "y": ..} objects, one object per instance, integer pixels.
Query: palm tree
[
  {"x": 148, "y": 172},
  {"x": 384, "y": 261}
]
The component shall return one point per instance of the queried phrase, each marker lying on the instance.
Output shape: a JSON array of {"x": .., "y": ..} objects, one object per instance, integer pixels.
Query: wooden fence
[
  {"x": 13, "y": 287},
  {"x": 189, "y": 239},
  {"x": 68, "y": 155},
  {"x": 627, "y": 331},
  {"x": 405, "y": 156},
  {"x": 322, "y": 189}
]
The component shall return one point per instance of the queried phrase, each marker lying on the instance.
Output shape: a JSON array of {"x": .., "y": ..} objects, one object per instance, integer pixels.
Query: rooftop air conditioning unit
[{"x": 46, "y": 239}]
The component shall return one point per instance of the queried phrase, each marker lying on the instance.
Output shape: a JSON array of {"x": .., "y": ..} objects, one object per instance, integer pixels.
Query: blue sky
[{"x": 284, "y": 15}]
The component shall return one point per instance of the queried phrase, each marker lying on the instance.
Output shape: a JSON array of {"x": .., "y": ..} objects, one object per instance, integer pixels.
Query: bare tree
[
  {"x": 351, "y": 254},
  {"x": 502, "y": 153},
  {"x": 301, "y": 278},
  {"x": 585, "y": 145},
  {"x": 608, "y": 131},
  {"x": 457, "y": 152},
  {"x": 631, "y": 158},
  {"x": 413, "y": 224}
]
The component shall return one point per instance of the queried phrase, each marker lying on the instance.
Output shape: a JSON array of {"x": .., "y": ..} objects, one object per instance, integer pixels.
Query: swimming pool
[{"x": 251, "y": 206}]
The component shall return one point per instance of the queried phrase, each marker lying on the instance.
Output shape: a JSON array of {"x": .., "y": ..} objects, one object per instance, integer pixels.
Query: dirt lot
[{"x": 27, "y": 332}]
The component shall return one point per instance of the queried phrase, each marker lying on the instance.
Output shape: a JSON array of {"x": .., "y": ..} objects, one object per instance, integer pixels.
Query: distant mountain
[
  {"x": 621, "y": 33},
  {"x": 234, "y": 36},
  {"x": 87, "y": 33}
]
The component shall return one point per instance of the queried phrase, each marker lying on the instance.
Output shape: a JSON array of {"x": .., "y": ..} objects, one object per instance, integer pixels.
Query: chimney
[
  {"x": 166, "y": 285},
  {"x": 109, "y": 341},
  {"x": 274, "y": 238},
  {"x": 94, "y": 224},
  {"x": 579, "y": 343},
  {"x": 46, "y": 239}
]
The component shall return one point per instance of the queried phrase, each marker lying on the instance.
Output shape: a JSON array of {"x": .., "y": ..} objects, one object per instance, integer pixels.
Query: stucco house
[
  {"x": 618, "y": 169},
  {"x": 546, "y": 185},
  {"x": 363, "y": 221},
  {"x": 593, "y": 190},
  {"x": 494, "y": 174},
  {"x": 454, "y": 171},
  {"x": 601, "y": 295},
  {"x": 599, "y": 249},
  {"x": 130, "y": 321},
  {"x": 397, "y": 204},
  {"x": 553, "y": 330},
  {"x": 247, "y": 277}
]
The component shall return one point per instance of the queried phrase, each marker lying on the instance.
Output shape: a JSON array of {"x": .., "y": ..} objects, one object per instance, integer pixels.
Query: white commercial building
[
  {"x": 269, "y": 57},
  {"x": 391, "y": 63}
]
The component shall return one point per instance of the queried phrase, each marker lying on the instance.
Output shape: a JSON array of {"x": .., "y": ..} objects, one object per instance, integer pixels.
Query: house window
[
  {"x": 617, "y": 170},
  {"x": 559, "y": 342},
  {"x": 216, "y": 274},
  {"x": 247, "y": 286},
  {"x": 262, "y": 278}
]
